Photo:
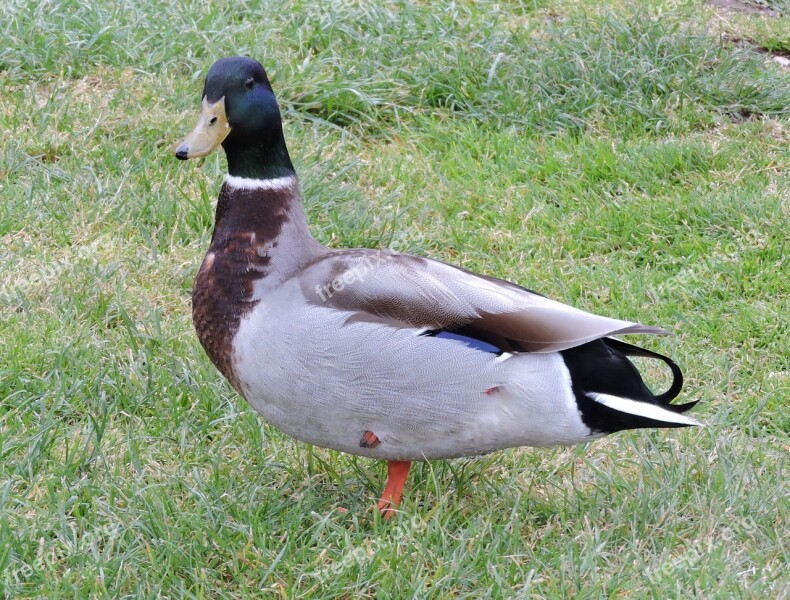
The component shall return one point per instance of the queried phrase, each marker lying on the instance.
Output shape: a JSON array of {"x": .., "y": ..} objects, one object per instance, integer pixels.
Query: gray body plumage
[
  {"x": 335, "y": 346},
  {"x": 424, "y": 397}
]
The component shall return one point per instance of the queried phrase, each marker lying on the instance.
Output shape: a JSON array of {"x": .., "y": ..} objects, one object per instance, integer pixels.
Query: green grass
[{"x": 624, "y": 159}]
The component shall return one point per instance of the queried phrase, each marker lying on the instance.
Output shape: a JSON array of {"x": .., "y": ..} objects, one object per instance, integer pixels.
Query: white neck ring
[{"x": 250, "y": 183}]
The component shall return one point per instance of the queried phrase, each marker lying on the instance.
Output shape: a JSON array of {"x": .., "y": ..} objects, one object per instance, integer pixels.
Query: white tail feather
[{"x": 642, "y": 409}]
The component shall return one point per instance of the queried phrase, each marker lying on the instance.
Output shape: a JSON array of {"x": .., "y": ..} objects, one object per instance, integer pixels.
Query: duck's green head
[{"x": 241, "y": 113}]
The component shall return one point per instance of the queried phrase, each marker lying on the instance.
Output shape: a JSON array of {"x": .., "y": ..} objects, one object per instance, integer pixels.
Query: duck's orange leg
[{"x": 397, "y": 472}]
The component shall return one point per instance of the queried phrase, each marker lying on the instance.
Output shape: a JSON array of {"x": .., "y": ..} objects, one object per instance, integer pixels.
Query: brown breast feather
[{"x": 247, "y": 221}]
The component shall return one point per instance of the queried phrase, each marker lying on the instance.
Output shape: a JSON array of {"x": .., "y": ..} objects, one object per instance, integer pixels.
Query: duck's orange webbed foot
[{"x": 397, "y": 472}]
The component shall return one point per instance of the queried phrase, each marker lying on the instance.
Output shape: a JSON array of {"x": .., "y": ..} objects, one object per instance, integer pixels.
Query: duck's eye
[
  {"x": 212, "y": 120},
  {"x": 250, "y": 83}
]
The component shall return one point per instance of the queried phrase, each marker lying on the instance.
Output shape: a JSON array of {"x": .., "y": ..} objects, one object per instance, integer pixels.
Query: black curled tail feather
[
  {"x": 677, "y": 375},
  {"x": 609, "y": 388}
]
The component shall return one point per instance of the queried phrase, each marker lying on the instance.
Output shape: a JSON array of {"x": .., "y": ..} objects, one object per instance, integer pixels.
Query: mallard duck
[{"x": 381, "y": 354}]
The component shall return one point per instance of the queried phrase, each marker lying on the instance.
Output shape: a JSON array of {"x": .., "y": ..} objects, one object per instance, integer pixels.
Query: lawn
[{"x": 629, "y": 159}]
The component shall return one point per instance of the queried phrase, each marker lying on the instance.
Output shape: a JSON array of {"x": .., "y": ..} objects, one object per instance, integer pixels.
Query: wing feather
[{"x": 402, "y": 290}]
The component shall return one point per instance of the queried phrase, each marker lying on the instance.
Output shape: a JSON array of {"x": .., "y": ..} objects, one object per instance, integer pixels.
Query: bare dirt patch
[
  {"x": 739, "y": 6},
  {"x": 726, "y": 8}
]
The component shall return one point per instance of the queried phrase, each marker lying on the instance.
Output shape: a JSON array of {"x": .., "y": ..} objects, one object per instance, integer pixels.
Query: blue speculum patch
[{"x": 469, "y": 341}]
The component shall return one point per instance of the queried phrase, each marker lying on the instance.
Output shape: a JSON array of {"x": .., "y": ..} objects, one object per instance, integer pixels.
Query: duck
[{"x": 382, "y": 354}]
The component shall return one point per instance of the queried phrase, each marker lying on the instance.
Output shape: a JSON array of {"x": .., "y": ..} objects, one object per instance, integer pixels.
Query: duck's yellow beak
[{"x": 212, "y": 127}]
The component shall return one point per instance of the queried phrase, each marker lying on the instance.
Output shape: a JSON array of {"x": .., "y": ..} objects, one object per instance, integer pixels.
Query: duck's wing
[{"x": 400, "y": 290}]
